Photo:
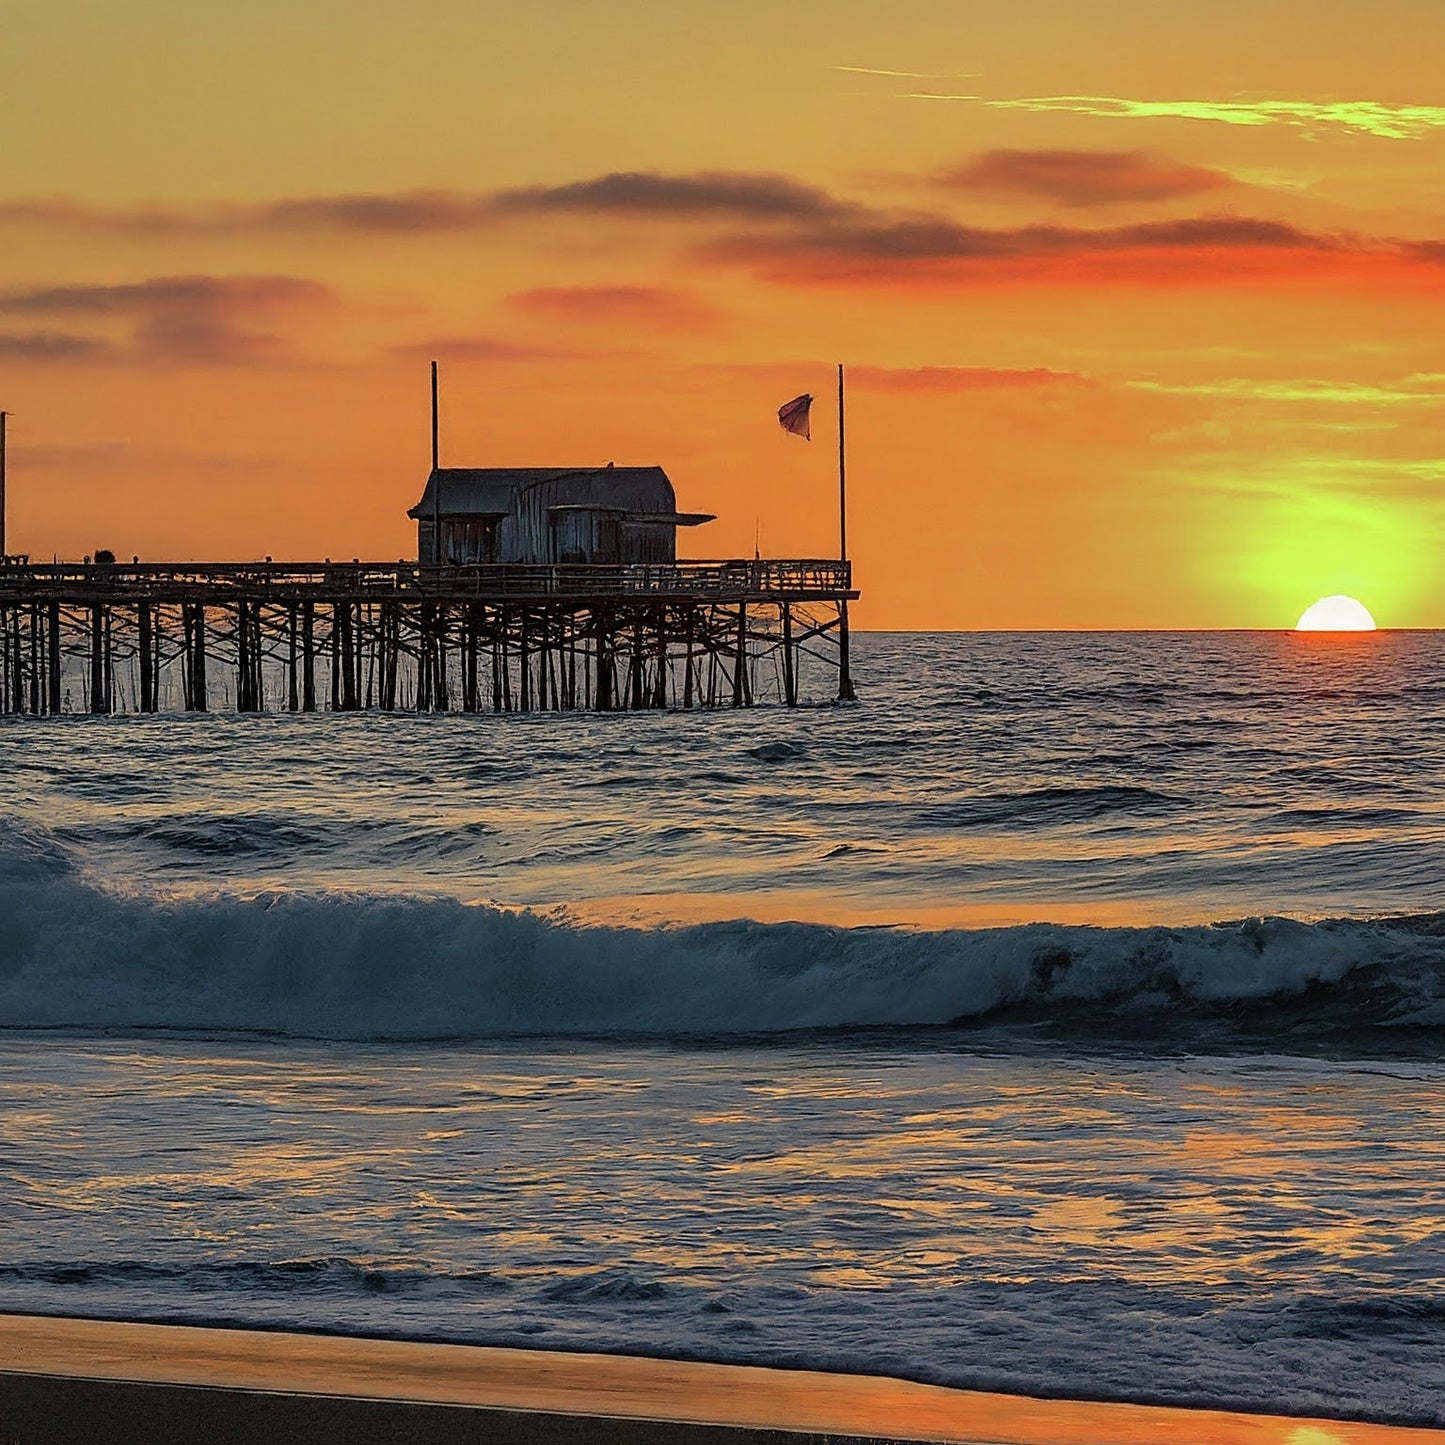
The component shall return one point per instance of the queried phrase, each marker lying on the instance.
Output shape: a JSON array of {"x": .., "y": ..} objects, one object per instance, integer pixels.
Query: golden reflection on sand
[{"x": 621, "y": 1387}]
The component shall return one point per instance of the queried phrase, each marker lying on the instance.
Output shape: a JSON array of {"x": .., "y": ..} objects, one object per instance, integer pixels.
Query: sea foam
[{"x": 337, "y": 964}]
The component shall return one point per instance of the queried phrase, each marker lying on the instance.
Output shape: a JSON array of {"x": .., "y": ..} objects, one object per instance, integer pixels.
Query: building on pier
[{"x": 601, "y": 516}]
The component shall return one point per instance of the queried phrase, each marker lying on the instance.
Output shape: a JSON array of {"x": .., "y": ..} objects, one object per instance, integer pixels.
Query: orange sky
[{"x": 1142, "y": 303}]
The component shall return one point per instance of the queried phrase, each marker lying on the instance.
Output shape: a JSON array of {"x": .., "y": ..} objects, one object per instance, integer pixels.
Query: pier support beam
[
  {"x": 145, "y": 649},
  {"x": 99, "y": 660},
  {"x": 390, "y": 650},
  {"x": 425, "y": 627},
  {"x": 603, "y": 630},
  {"x": 52, "y": 641},
  {"x": 248, "y": 669},
  {"x": 740, "y": 658},
  {"x": 343, "y": 653},
  {"x": 37, "y": 660},
  {"x": 194, "y": 619},
  {"x": 308, "y": 657},
  {"x": 790, "y": 674},
  {"x": 293, "y": 648},
  {"x": 660, "y": 641},
  {"x": 443, "y": 698},
  {"x": 845, "y": 671}
]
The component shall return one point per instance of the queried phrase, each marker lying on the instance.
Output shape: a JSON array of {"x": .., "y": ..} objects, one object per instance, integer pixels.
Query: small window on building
[{"x": 468, "y": 540}]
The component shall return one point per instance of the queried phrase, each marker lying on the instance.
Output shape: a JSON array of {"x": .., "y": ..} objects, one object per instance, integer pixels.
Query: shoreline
[{"x": 61, "y": 1376}]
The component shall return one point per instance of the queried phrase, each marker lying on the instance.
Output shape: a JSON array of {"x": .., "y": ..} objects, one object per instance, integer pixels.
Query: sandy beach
[{"x": 60, "y": 1379}]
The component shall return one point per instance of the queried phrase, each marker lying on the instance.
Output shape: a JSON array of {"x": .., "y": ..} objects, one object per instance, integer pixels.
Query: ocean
[{"x": 1066, "y": 1018}]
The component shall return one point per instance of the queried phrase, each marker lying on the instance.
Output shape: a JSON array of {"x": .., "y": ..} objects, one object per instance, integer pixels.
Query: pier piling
[{"x": 494, "y": 639}]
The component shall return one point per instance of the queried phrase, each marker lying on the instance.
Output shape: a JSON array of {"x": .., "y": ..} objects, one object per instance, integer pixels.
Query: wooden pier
[{"x": 301, "y": 637}]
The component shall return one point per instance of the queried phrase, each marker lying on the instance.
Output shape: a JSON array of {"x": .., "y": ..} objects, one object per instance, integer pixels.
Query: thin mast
[
  {"x": 434, "y": 417},
  {"x": 436, "y": 481},
  {"x": 842, "y": 477},
  {"x": 3, "y": 416},
  {"x": 845, "y": 672}
]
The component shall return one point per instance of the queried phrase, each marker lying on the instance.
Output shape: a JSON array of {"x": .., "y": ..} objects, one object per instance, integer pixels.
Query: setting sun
[{"x": 1336, "y": 614}]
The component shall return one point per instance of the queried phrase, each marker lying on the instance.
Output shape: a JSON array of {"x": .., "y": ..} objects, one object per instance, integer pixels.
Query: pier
[
  {"x": 255, "y": 637},
  {"x": 536, "y": 589}
]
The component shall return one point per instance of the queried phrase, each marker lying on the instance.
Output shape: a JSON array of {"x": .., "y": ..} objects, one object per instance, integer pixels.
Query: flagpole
[
  {"x": 842, "y": 477},
  {"x": 436, "y": 481},
  {"x": 4, "y": 416},
  {"x": 845, "y": 675}
]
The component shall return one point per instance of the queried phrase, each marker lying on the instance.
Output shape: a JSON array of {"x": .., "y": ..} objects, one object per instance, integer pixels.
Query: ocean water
[{"x": 1066, "y": 1017}]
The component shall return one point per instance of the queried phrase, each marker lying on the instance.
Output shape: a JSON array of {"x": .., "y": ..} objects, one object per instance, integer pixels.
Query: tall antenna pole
[
  {"x": 845, "y": 671},
  {"x": 842, "y": 477},
  {"x": 3, "y": 416},
  {"x": 436, "y": 481},
  {"x": 435, "y": 418}
]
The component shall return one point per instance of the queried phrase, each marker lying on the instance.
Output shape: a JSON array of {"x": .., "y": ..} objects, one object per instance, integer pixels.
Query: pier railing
[{"x": 760, "y": 578}]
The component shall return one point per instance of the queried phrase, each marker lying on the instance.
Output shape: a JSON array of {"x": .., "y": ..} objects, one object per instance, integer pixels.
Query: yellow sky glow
[{"x": 1144, "y": 336}]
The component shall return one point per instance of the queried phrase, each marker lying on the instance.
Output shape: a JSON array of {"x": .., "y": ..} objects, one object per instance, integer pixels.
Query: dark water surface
[{"x": 1067, "y": 1017}]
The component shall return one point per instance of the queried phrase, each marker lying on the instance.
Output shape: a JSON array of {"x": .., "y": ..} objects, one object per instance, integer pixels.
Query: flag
[{"x": 794, "y": 417}]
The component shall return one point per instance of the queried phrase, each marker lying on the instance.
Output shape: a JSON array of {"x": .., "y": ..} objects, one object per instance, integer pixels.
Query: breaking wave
[{"x": 358, "y": 965}]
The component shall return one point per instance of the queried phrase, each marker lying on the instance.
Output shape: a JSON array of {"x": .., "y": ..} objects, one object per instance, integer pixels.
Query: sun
[{"x": 1336, "y": 614}]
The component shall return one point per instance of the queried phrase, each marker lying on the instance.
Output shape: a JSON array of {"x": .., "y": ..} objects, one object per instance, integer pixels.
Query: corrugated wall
[{"x": 527, "y": 532}]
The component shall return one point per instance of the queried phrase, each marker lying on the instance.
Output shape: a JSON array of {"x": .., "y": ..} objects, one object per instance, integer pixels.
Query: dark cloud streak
[
  {"x": 730, "y": 194},
  {"x": 781, "y": 228},
  {"x": 1084, "y": 178},
  {"x": 936, "y": 239},
  {"x": 182, "y": 292},
  {"x": 53, "y": 346},
  {"x": 717, "y": 195},
  {"x": 186, "y": 319}
]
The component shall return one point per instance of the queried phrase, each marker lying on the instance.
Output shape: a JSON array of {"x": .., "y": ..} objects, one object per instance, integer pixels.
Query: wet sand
[{"x": 68, "y": 1380}]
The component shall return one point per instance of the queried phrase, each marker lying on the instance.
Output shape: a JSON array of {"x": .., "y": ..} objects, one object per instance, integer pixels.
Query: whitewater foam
[{"x": 349, "y": 964}]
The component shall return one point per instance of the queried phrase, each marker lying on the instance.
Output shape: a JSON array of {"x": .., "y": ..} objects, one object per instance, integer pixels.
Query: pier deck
[{"x": 286, "y": 636}]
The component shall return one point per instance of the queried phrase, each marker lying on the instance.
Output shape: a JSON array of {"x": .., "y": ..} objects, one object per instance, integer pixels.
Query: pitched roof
[{"x": 488, "y": 491}]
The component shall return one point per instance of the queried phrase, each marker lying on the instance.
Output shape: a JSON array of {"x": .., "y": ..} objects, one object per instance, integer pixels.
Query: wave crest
[{"x": 367, "y": 965}]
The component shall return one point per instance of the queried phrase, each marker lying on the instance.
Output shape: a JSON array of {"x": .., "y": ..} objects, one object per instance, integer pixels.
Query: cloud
[
  {"x": 783, "y": 229},
  {"x": 1296, "y": 476},
  {"x": 52, "y": 346},
  {"x": 206, "y": 319},
  {"x": 186, "y": 292},
  {"x": 907, "y": 74},
  {"x": 1354, "y": 117},
  {"x": 959, "y": 378},
  {"x": 1421, "y": 390},
  {"x": 396, "y": 213},
  {"x": 399, "y": 213},
  {"x": 932, "y": 249},
  {"x": 55, "y": 212},
  {"x": 403, "y": 213},
  {"x": 1084, "y": 178},
  {"x": 935, "y": 248},
  {"x": 649, "y": 194},
  {"x": 658, "y": 308}
]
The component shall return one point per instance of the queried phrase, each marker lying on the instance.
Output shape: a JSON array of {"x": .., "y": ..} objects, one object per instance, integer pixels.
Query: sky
[{"x": 1141, "y": 304}]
